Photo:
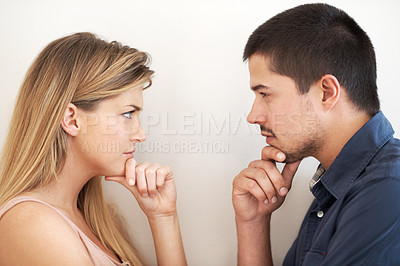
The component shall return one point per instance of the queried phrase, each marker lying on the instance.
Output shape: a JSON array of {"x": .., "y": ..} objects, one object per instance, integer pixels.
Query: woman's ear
[
  {"x": 331, "y": 91},
  {"x": 69, "y": 121}
]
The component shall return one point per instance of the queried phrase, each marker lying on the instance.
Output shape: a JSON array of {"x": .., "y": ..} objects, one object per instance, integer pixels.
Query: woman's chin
[{"x": 119, "y": 172}]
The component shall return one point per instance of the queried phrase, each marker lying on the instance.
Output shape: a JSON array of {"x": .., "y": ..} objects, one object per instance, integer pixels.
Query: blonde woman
[{"x": 81, "y": 92}]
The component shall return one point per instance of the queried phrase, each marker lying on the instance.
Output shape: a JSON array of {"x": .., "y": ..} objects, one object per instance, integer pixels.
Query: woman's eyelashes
[{"x": 129, "y": 114}]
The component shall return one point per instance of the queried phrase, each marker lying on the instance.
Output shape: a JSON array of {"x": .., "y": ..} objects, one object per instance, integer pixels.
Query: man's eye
[
  {"x": 263, "y": 95},
  {"x": 128, "y": 114}
]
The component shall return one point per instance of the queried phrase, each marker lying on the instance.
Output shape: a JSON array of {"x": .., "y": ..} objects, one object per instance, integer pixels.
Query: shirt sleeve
[{"x": 368, "y": 228}]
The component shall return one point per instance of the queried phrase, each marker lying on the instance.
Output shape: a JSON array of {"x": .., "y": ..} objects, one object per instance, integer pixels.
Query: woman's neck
[{"x": 63, "y": 192}]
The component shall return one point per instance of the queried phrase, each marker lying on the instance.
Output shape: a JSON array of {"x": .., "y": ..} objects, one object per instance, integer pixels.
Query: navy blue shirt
[{"x": 355, "y": 217}]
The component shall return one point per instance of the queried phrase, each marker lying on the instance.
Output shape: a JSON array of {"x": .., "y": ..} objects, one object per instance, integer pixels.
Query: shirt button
[{"x": 320, "y": 214}]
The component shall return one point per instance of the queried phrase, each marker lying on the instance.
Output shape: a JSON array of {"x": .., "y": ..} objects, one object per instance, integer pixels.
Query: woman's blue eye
[{"x": 128, "y": 114}]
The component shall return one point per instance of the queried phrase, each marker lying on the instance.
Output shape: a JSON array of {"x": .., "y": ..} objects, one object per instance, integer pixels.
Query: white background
[{"x": 196, "y": 49}]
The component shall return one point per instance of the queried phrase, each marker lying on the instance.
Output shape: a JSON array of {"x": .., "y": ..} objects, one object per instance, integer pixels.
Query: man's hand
[{"x": 260, "y": 189}]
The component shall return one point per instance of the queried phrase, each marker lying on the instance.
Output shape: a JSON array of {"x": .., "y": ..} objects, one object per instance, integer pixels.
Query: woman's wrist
[{"x": 163, "y": 219}]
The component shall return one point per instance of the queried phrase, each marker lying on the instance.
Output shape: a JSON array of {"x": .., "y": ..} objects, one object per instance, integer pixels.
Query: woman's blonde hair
[{"x": 80, "y": 69}]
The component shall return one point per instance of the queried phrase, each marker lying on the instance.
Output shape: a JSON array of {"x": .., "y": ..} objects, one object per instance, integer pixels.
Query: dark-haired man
[{"x": 313, "y": 72}]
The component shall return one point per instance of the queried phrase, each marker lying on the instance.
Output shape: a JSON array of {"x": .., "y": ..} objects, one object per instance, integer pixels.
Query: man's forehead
[
  {"x": 260, "y": 60},
  {"x": 259, "y": 69}
]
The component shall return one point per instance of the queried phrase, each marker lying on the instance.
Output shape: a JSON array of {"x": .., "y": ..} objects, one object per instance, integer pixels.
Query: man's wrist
[
  {"x": 259, "y": 220},
  {"x": 254, "y": 246}
]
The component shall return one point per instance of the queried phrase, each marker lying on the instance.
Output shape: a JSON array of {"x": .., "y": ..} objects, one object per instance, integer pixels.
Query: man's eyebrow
[
  {"x": 259, "y": 87},
  {"x": 135, "y": 106}
]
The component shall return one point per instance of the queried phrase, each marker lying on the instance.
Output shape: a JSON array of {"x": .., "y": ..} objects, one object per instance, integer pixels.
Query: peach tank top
[{"x": 98, "y": 256}]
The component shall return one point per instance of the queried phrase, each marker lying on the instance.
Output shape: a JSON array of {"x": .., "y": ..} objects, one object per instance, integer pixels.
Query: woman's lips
[{"x": 129, "y": 153}]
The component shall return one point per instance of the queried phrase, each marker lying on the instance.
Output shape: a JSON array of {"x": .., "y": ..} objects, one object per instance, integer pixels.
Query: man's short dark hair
[{"x": 309, "y": 41}]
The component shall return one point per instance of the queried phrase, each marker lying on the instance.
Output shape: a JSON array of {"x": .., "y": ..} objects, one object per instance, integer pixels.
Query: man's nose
[{"x": 256, "y": 115}]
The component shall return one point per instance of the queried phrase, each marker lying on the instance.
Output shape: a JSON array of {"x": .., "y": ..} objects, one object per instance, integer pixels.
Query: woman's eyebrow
[{"x": 136, "y": 107}]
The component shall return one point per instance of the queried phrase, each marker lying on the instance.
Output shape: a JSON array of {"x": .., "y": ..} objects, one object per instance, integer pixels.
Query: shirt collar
[
  {"x": 317, "y": 176},
  {"x": 356, "y": 154}
]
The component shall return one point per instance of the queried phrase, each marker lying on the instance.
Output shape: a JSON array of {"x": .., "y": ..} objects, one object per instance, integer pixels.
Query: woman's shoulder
[
  {"x": 34, "y": 215},
  {"x": 35, "y": 234}
]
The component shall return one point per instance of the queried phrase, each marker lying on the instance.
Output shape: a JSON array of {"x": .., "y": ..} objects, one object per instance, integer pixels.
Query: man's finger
[
  {"x": 270, "y": 153},
  {"x": 273, "y": 174},
  {"x": 289, "y": 171},
  {"x": 243, "y": 186},
  {"x": 263, "y": 181}
]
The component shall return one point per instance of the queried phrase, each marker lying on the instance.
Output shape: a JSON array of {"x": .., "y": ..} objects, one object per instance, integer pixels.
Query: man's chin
[{"x": 293, "y": 158}]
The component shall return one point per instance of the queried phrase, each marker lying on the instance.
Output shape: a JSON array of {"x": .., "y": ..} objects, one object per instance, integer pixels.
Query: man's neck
[{"x": 338, "y": 133}]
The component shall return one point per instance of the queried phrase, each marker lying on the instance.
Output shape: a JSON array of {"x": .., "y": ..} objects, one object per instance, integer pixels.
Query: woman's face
[{"x": 108, "y": 134}]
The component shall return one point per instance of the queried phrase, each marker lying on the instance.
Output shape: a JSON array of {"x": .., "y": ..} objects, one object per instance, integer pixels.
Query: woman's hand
[{"x": 153, "y": 187}]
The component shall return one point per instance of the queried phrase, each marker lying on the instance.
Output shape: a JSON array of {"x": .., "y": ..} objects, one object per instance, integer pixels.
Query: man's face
[{"x": 287, "y": 118}]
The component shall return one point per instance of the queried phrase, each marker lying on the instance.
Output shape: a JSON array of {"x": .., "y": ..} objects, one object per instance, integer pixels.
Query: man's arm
[
  {"x": 254, "y": 245},
  {"x": 258, "y": 191}
]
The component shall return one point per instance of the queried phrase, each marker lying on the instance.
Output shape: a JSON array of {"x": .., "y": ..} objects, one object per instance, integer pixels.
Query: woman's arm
[
  {"x": 168, "y": 240},
  {"x": 154, "y": 188}
]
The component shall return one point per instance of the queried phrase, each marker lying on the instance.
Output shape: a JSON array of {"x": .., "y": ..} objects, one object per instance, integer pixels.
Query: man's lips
[
  {"x": 267, "y": 134},
  {"x": 269, "y": 137}
]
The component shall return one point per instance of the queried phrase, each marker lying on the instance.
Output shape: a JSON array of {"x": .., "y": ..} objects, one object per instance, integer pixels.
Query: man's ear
[
  {"x": 331, "y": 91},
  {"x": 69, "y": 121}
]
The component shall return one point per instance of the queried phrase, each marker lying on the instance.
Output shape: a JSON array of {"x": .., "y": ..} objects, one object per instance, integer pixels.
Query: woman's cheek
[{"x": 113, "y": 166}]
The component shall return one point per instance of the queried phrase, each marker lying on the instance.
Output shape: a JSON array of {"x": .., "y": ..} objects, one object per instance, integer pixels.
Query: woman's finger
[
  {"x": 130, "y": 172},
  {"x": 118, "y": 179},
  {"x": 162, "y": 174},
  {"x": 151, "y": 179},
  {"x": 141, "y": 178}
]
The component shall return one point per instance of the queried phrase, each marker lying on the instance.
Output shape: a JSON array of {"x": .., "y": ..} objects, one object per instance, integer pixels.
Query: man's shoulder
[
  {"x": 381, "y": 178},
  {"x": 390, "y": 148},
  {"x": 386, "y": 162}
]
